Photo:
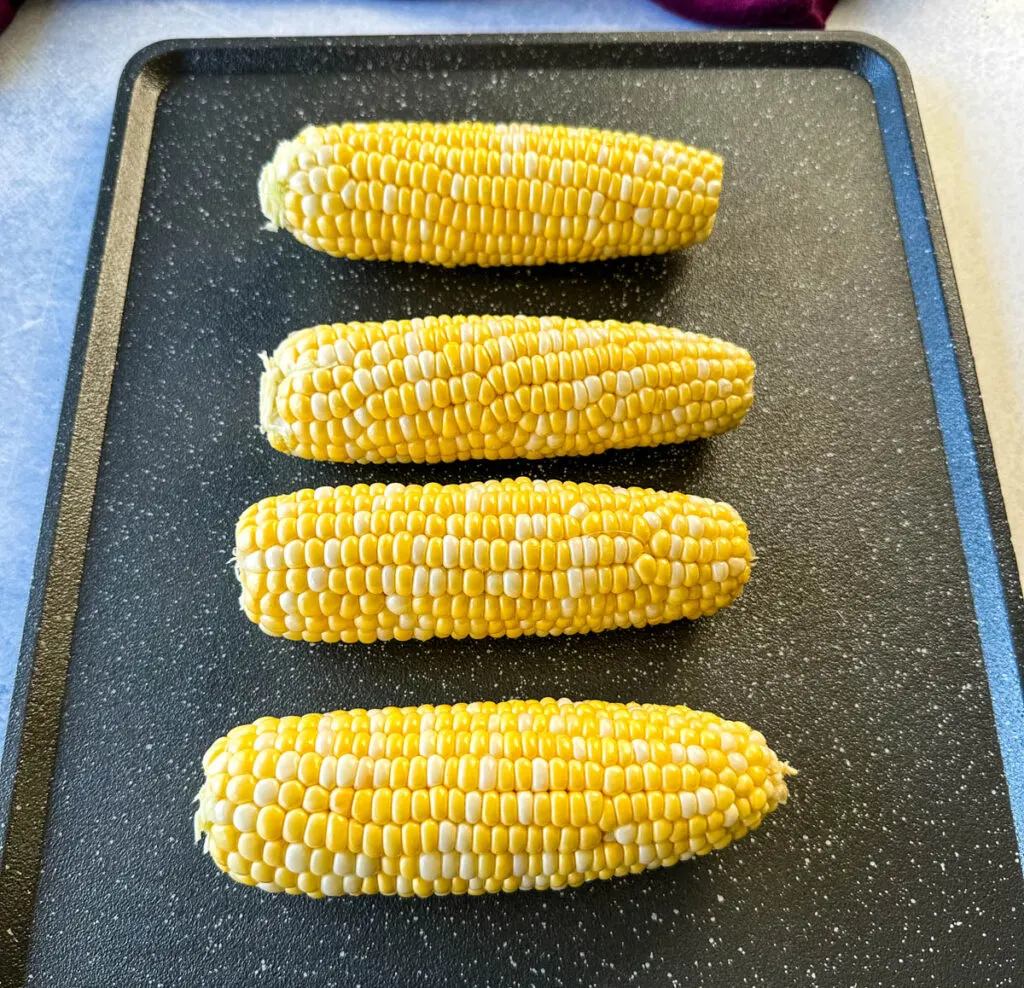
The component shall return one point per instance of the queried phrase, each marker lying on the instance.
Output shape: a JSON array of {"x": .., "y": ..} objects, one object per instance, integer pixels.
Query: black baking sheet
[{"x": 855, "y": 648}]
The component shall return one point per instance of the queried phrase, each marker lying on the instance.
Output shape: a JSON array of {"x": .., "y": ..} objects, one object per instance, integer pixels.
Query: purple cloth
[
  {"x": 755, "y": 13},
  {"x": 7, "y": 9}
]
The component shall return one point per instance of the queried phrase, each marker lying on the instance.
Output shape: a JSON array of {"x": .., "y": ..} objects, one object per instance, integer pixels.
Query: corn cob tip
[
  {"x": 271, "y": 424},
  {"x": 273, "y": 184}
]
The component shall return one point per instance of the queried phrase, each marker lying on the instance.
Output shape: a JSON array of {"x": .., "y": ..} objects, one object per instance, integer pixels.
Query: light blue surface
[{"x": 59, "y": 65}]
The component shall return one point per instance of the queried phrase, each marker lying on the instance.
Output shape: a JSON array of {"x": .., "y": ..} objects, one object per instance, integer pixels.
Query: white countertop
[{"x": 59, "y": 65}]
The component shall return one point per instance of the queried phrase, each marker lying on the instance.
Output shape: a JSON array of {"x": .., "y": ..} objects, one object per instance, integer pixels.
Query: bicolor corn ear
[
  {"x": 482, "y": 193},
  {"x": 487, "y": 559},
  {"x": 448, "y": 388},
  {"x": 480, "y": 797}
]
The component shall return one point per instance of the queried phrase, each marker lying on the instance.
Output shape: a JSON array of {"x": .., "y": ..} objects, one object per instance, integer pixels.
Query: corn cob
[
  {"x": 500, "y": 558},
  {"x": 485, "y": 387},
  {"x": 479, "y": 193},
  {"x": 479, "y": 797}
]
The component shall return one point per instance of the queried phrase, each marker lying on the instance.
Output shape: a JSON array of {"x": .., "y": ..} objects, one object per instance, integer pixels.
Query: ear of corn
[
  {"x": 487, "y": 387},
  {"x": 481, "y": 193},
  {"x": 479, "y": 797},
  {"x": 498, "y": 558}
]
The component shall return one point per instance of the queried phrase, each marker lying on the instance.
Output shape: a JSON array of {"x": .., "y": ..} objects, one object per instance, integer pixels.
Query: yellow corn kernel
[
  {"x": 488, "y": 194},
  {"x": 549, "y": 558},
  {"x": 467, "y": 837},
  {"x": 566, "y": 387}
]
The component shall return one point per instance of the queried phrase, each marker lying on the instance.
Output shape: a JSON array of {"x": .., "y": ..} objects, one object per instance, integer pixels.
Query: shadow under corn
[{"x": 630, "y": 288}]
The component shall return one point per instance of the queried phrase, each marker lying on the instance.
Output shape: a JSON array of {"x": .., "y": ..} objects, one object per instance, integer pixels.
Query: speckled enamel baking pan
[{"x": 876, "y": 643}]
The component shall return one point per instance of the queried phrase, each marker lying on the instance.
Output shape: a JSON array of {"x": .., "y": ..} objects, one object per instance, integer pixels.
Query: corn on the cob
[
  {"x": 480, "y": 193},
  {"x": 488, "y": 387},
  {"x": 479, "y": 797},
  {"x": 499, "y": 558}
]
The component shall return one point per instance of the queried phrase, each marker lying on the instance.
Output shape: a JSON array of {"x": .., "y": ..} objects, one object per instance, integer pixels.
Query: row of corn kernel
[{"x": 467, "y": 723}]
